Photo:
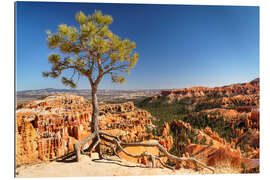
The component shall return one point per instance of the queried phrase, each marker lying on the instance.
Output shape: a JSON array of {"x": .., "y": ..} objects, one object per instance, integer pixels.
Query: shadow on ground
[{"x": 117, "y": 162}]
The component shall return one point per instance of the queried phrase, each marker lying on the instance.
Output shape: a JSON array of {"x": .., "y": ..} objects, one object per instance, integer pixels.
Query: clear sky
[{"x": 179, "y": 45}]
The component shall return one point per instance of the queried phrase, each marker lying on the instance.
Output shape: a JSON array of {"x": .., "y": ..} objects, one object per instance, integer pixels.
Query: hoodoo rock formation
[
  {"x": 217, "y": 126},
  {"x": 48, "y": 128},
  {"x": 218, "y": 156},
  {"x": 237, "y": 91},
  {"x": 217, "y": 151}
]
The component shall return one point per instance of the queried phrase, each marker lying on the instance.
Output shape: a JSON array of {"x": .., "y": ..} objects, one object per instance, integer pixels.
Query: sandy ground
[{"x": 88, "y": 167}]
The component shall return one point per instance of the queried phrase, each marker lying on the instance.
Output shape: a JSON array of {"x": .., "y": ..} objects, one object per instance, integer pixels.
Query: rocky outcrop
[
  {"x": 245, "y": 123},
  {"x": 26, "y": 142},
  {"x": 251, "y": 88},
  {"x": 178, "y": 124},
  {"x": 165, "y": 140},
  {"x": 215, "y": 151},
  {"x": 216, "y": 156},
  {"x": 129, "y": 126},
  {"x": 248, "y": 115},
  {"x": 219, "y": 153},
  {"x": 213, "y": 136},
  {"x": 251, "y": 137},
  {"x": 56, "y": 122},
  {"x": 236, "y": 100},
  {"x": 48, "y": 128},
  {"x": 223, "y": 156},
  {"x": 206, "y": 133},
  {"x": 232, "y": 111}
]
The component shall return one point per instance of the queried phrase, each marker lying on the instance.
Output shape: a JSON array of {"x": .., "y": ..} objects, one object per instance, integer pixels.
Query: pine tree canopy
[{"x": 92, "y": 51}]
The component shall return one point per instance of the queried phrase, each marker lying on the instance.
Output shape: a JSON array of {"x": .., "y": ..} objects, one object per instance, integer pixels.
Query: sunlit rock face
[
  {"x": 245, "y": 93},
  {"x": 166, "y": 140},
  {"x": 48, "y": 128},
  {"x": 217, "y": 155},
  {"x": 217, "y": 152}
]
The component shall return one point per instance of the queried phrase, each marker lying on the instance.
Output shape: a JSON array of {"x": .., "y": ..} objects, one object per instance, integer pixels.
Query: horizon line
[{"x": 132, "y": 89}]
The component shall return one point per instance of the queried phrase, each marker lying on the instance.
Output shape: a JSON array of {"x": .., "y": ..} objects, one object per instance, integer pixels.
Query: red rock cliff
[
  {"x": 48, "y": 128},
  {"x": 249, "y": 88}
]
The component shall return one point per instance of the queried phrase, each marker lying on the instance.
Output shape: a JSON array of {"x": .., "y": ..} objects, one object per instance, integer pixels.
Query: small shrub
[
  {"x": 203, "y": 141},
  {"x": 244, "y": 167},
  {"x": 211, "y": 142}
]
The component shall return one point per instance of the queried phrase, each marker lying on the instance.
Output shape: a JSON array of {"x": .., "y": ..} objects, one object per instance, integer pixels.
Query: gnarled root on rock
[{"x": 97, "y": 137}]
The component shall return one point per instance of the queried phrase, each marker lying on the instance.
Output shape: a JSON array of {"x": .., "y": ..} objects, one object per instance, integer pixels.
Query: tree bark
[{"x": 94, "y": 121}]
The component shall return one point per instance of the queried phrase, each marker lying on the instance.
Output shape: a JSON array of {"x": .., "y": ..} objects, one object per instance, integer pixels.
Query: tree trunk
[{"x": 94, "y": 121}]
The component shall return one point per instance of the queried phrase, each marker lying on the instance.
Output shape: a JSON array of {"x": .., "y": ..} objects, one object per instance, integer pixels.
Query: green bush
[
  {"x": 244, "y": 167},
  {"x": 203, "y": 141}
]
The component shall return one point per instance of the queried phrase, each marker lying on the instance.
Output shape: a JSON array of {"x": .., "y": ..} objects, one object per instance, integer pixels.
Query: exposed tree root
[
  {"x": 165, "y": 165},
  {"x": 111, "y": 147},
  {"x": 115, "y": 140},
  {"x": 78, "y": 146}
]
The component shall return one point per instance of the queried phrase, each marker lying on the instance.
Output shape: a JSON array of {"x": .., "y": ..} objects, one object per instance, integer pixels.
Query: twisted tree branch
[{"x": 120, "y": 145}]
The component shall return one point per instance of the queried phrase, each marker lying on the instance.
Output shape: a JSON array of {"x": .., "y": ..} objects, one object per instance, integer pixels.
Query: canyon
[
  {"x": 46, "y": 129},
  {"x": 219, "y": 126}
]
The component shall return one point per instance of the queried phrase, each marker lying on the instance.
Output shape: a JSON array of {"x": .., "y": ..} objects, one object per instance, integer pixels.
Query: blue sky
[{"x": 179, "y": 45}]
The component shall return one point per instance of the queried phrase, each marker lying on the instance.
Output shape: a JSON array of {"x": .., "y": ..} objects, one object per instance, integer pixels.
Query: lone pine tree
[{"x": 94, "y": 51}]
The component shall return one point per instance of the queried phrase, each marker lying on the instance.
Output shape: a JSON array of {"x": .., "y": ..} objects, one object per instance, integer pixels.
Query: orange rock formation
[
  {"x": 46, "y": 129},
  {"x": 251, "y": 88},
  {"x": 217, "y": 156}
]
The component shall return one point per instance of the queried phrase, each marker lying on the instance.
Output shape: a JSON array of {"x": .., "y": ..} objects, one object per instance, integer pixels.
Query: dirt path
[{"x": 88, "y": 167}]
